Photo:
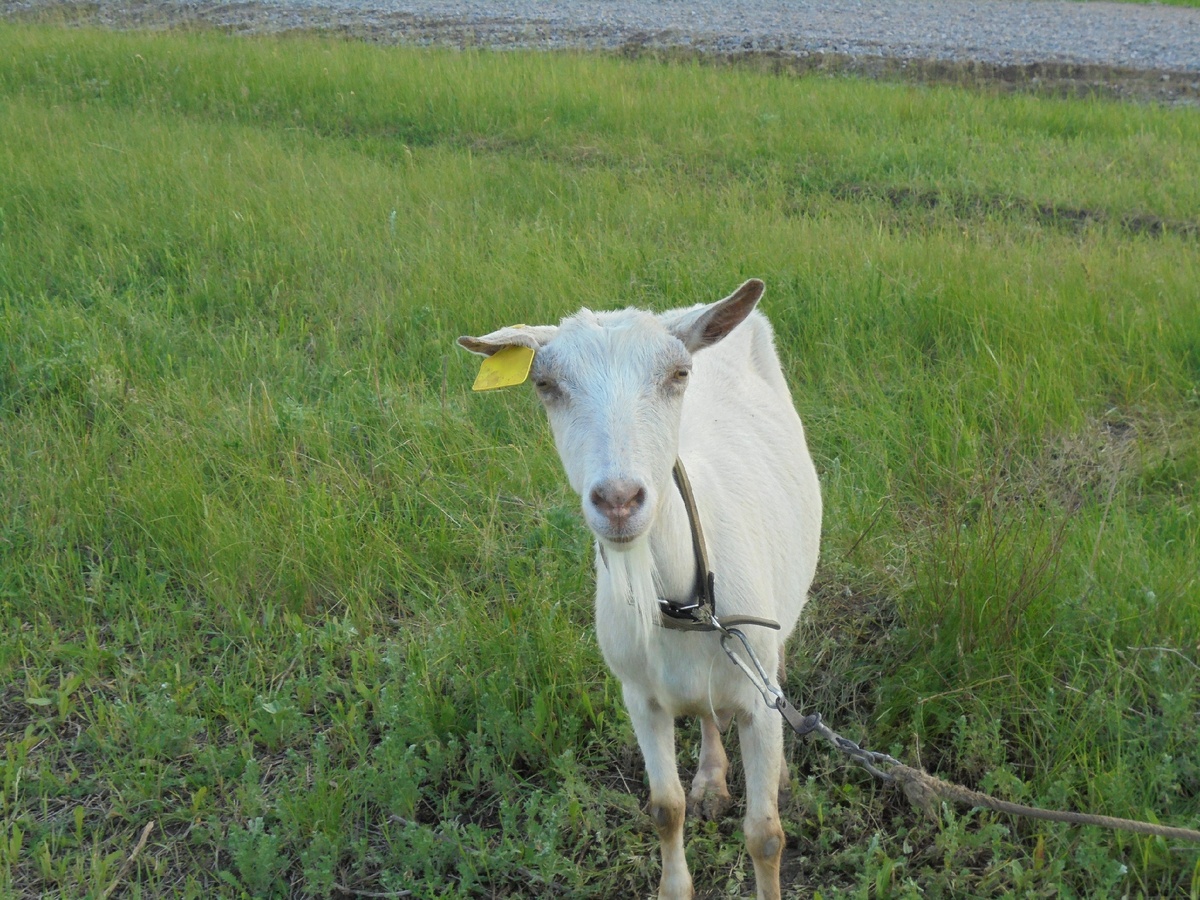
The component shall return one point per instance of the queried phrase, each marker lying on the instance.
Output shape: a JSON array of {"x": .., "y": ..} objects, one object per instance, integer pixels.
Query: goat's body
[
  {"x": 627, "y": 393},
  {"x": 761, "y": 520},
  {"x": 759, "y": 503}
]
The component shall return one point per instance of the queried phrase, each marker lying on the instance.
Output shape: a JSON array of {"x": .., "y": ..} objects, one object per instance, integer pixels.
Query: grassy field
[{"x": 273, "y": 581}]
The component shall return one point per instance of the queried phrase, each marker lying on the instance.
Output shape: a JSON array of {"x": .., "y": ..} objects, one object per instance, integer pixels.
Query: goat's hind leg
[
  {"x": 655, "y": 730},
  {"x": 709, "y": 796}
]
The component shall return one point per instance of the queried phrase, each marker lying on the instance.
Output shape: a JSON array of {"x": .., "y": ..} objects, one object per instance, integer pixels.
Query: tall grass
[{"x": 273, "y": 579}]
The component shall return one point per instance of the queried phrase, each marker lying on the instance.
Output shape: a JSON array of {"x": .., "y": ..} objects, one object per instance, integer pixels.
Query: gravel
[{"x": 1134, "y": 41}]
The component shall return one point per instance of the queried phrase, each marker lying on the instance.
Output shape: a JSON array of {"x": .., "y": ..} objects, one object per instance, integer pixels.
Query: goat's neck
[{"x": 671, "y": 546}]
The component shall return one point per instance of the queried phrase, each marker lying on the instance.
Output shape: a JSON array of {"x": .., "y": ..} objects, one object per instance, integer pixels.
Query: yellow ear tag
[{"x": 504, "y": 368}]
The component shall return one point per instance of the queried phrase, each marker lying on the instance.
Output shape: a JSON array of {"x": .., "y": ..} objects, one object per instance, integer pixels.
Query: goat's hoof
[
  {"x": 709, "y": 806},
  {"x": 676, "y": 888}
]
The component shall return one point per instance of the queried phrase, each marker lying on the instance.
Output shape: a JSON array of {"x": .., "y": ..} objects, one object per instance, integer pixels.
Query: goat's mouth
[{"x": 620, "y": 540}]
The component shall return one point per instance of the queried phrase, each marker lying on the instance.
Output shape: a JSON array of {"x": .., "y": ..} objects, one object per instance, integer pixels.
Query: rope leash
[{"x": 922, "y": 789}]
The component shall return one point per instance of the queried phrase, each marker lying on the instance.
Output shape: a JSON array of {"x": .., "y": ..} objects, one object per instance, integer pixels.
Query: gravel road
[{"x": 1157, "y": 47}]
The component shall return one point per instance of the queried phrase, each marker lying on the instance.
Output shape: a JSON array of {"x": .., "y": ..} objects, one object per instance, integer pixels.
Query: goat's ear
[
  {"x": 703, "y": 327},
  {"x": 532, "y": 336}
]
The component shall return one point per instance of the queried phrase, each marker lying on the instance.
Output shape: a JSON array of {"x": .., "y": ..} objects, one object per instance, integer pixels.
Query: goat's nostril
[{"x": 618, "y": 499}]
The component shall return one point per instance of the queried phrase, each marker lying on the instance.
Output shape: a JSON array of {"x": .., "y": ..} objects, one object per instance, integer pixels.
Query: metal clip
[
  {"x": 771, "y": 695},
  {"x": 802, "y": 725}
]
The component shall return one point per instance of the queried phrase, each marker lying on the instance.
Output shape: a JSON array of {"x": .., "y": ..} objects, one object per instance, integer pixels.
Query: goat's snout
[{"x": 618, "y": 500}]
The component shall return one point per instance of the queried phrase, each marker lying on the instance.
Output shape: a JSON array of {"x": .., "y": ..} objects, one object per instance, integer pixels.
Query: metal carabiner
[{"x": 770, "y": 693}]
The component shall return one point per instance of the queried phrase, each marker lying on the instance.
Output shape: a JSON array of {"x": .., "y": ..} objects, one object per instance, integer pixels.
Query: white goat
[{"x": 627, "y": 393}]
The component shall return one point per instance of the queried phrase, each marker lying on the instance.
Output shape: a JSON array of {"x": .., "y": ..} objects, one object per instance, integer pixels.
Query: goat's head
[{"x": 612, "y": 384}]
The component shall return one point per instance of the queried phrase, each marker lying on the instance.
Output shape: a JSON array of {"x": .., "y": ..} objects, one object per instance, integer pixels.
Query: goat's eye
[
  {"x": 677, "y": 379},
  {"x": 547, "y": 387}
]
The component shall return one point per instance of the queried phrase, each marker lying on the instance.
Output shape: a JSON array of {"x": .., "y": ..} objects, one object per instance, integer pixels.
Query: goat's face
[{"x": 613, "y": 386}]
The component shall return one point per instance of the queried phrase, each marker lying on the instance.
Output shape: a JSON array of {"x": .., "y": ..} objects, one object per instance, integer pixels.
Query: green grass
[
  {"x": 1192, "y": 3},
  {"x": 274, "y": 580}
]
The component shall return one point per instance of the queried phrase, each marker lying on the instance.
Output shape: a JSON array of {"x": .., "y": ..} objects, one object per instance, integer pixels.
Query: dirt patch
[
  {"x": 1069, "y": 218},
  {"x": 1066, "y": 80}
]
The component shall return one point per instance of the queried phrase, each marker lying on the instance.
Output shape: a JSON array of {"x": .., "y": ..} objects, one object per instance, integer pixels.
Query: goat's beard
[{"x": 632, "y": 581}]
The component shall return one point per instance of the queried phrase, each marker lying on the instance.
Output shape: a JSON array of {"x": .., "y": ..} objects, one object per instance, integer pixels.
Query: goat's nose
[{"x": 618, "y": 500}]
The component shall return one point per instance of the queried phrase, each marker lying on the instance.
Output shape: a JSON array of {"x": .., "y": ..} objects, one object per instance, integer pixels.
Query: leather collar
[{"x": 699, "y": 612}]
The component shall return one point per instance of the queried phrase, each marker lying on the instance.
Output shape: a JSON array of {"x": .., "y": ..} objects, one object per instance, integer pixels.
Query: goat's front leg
[
  {"x": 655, "y": 730},
  {"x": 761, "y": 735}
]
